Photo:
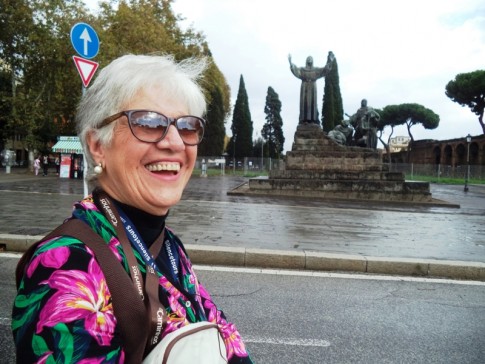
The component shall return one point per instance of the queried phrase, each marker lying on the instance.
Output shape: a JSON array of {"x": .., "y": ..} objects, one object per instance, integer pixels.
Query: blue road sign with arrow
[{"x": 85, "y": 40}]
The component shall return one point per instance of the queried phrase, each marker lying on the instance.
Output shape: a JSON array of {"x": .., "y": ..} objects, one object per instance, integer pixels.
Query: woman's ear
[{"x": 95, "y": 147}]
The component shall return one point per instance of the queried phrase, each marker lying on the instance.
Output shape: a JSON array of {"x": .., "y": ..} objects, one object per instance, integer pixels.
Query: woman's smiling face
[{"x": 148, "y": 176}]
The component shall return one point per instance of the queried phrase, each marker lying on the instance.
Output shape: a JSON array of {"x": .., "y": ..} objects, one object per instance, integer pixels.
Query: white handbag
[{"x": 194, "y": 343}]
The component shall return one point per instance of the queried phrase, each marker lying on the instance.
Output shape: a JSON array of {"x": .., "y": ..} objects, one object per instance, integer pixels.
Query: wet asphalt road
[{"x": 31, "y": 205}]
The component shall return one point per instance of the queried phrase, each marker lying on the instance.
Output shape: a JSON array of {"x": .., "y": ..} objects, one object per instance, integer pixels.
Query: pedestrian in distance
[
  {"x": 37, "y": 165},
  {"x": 45, "y": 165},
  {"x": 140, "y": 123},
  {"x": 58, "y": 165}
]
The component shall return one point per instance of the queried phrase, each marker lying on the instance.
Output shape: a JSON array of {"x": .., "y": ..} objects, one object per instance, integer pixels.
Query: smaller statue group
[{"x": 359, "y": 130}]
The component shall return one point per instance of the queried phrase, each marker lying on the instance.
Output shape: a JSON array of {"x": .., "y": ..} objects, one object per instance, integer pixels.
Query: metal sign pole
[{"x": 85, "y": 163}]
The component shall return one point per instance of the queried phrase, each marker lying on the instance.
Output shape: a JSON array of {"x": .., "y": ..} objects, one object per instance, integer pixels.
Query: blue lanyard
[
  {"x": 140, "y": 246},
  {"x": 136, "y": 240},
  {"x": 172, "y": 257}
]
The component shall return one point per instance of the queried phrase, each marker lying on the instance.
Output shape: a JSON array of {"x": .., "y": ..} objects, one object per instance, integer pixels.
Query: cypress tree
[
  {"x": 213, "y": 142},
  {"x": 272, "y": 130},
  {"x": 332, "y": 109},
  {"x": 242, "y": 126}
]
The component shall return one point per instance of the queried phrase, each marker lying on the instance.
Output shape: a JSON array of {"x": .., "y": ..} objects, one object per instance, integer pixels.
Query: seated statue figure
[
  {"x": 365, "y": 122},
  {"x": 342, "y": 133}
]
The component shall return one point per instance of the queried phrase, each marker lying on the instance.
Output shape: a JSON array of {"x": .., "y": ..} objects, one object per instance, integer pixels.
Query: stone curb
[{"x": 307, "y": 260}]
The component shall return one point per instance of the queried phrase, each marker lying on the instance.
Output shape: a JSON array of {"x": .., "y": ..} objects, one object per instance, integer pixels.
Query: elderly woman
[{"x": 140, "y": 124}]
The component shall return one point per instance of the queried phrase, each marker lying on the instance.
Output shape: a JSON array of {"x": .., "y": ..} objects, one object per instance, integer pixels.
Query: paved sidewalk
[{"x": 274, "y": 232}]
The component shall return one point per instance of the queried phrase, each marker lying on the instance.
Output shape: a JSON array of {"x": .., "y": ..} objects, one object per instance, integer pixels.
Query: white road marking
[
  {"x": 286, "y": 341},
  {"x": 10, "y": 255}
]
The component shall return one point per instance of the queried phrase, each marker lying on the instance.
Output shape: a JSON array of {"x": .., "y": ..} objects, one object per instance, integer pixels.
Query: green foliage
[
  {"x": 272, "y": 130},
  {"x": 36, "y": 52},
  {"x": 408, "y": 114},
  {"x": 213, "y": 142},
  {"x": 468, "y": 89},
  {"x": 5, "y": 104},
  {"x": 241, "y": 143},
  {"x": 218, "y": 109},
  {"x": 332, "y": 109}
]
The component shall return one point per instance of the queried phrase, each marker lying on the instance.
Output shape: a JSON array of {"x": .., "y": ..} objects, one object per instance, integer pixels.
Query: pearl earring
[{"x": 98, "y": 169}]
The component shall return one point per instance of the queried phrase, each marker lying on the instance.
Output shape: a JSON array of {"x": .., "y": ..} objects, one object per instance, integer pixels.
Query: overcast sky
[{"x": 389, "y": 52}]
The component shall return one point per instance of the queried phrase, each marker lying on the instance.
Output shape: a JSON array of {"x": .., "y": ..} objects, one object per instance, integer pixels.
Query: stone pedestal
[{"x": 317, "y": 166}]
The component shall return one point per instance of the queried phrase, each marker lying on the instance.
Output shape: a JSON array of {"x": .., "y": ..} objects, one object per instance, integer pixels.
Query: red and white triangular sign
[{"x": 86, "y": 69}]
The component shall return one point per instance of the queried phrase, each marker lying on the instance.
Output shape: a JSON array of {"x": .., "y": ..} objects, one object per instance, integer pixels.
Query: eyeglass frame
[{"x": 171, "y": 121}]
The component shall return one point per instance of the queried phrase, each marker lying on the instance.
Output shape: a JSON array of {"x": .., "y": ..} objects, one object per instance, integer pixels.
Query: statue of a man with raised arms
[{"x": 308, "y": 91}]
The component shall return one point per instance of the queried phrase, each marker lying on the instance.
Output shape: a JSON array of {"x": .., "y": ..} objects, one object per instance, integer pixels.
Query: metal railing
[
  {"x": 240, "y": 165},
  {"x": 263, "y": 166},
  {"x": 439, "y": 170}
]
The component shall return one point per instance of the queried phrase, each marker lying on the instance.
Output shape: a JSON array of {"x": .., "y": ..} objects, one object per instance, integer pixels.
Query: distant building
[
  {"x": 451, "y": 152},
  {"x": 399, "y": 144}
]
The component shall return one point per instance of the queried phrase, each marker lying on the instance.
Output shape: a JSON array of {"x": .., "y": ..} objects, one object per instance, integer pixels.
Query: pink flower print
[
  {"x": 80, "y": 295},
  {"x": 214, "y": 314},
  {"x": 233, "y": 341},
  {"x": 173, "y": 298},
  {"x": 88, "y": 203},
  {"x": 43, "y": 358},
  {"x": 232, "y": 338},
  {"x": 114, "y": 243},
  {"x": 93, "y": 361},
  {"x": 173, "y": 323},
  {"x": 52, "y": 258}
]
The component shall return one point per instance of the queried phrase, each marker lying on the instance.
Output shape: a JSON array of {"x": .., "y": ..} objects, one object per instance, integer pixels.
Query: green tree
[
  {"x": 260, "y": 149},
  {"x": 37, "y": 50},
  {"x": 5, "y": 105},
  {"x": 272, "y": 131},
  {"x": 213, "y": 142},
  {"x": 36, "y": 53},
  {"x": 122, "y": 29},
  {"x": 16, "y": 24},
  {"x": 241, "y": 143},
  {"x": 410, "y": 115},
  {"x": 332, "y": 108},
  {"x": 218, "y": 109},
  {"x": 468, "y": 89}
]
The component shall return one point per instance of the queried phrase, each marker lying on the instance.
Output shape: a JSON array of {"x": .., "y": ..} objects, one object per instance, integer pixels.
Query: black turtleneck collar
[{"x": 149, "y": 226}]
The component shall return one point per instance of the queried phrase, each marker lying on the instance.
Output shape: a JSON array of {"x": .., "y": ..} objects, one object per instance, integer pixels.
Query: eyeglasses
[{"x": 151, "y": 127}]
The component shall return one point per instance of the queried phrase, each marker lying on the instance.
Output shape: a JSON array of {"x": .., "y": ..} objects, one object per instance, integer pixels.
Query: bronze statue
[
  {"x": 342, "y": 133},
  {"x": 308, "y": 91},
  {"x": 365, "y": 122}
]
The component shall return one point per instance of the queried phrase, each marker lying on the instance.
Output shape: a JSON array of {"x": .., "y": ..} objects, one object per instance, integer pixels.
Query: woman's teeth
[{"x": 172, "y": 167}]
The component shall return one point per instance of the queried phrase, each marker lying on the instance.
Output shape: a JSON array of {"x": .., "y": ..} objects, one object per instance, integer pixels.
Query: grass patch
[{"x": 445, "y": 180}]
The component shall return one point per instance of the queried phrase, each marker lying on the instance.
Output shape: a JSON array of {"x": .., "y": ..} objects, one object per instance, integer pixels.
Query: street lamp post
[
  {"x": 467, "y": 175},
  {"x": 234, "y": 155},
  {"x": 262, "y": 144}
]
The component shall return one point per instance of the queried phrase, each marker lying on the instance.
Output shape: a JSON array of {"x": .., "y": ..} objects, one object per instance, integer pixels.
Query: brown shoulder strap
[{"x": 129, "y": 310}]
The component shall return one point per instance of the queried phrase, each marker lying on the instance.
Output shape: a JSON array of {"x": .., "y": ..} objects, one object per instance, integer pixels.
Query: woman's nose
[{"x": 172, "y": 139}]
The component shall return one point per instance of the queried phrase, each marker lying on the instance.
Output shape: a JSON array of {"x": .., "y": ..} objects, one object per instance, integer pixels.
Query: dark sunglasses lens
[
  {"x": 191, "y": 129},
  {"x": 147, "y": 125}
]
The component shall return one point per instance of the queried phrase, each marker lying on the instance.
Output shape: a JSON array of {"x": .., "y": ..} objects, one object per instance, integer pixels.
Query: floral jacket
[{"x": 63, "y": 310}]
